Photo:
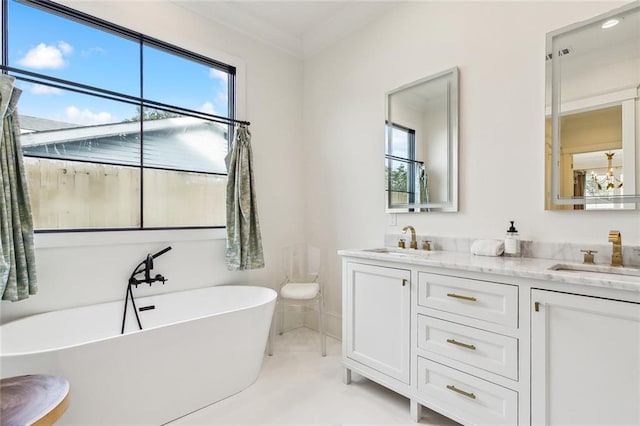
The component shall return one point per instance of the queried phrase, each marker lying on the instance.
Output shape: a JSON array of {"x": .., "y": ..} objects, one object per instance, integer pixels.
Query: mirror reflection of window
[{"x": 401, "y": 163}]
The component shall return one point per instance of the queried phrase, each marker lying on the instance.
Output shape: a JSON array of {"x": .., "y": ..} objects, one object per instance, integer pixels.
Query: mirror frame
[
  {"x": 618, "y": 98},
  {"x": 451, "y": 204}
]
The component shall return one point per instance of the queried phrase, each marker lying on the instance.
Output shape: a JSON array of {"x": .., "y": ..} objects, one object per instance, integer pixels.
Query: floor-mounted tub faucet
[{"x": 414, "y": 243}]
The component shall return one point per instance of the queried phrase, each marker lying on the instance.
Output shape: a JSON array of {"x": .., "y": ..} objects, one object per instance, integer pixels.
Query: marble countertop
[{"x": 525, "y": 267}]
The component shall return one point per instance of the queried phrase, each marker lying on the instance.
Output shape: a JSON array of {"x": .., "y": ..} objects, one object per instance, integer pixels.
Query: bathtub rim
[{"x": 267, "y": 290}]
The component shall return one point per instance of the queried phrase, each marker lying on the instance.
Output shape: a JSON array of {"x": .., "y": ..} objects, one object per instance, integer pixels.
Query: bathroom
[{"x": 318, "y": 153}]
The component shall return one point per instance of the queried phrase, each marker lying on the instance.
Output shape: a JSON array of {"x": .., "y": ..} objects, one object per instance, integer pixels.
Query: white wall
[
  {"x": 82, "y": 269},
  {"x": 499, "y": 48},
  {"x": 319, "y": 157}
]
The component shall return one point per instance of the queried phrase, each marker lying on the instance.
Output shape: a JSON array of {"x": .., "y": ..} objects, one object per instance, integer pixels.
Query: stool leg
[
  {"x": 281, "y": 316},
  {"x": 323, "y": 337},
  {"x": 271, "y": 335}
]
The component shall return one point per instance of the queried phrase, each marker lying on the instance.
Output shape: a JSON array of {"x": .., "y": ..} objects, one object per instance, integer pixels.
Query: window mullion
[{"x": 141, "y": 133}]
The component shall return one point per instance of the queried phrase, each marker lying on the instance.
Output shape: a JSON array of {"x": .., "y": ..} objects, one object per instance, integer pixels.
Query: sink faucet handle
[{"x": 588, "y": 256}]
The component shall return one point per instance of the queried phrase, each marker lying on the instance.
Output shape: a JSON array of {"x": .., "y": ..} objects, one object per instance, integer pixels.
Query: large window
[{"x": 119, "y": 131}]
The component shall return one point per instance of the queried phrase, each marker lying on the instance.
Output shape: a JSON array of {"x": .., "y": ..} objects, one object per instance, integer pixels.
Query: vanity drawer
[
  {"x": 482, "y": 300},
  {"x": 473, "y": 400},
  {"x": 482, "y": 349}
]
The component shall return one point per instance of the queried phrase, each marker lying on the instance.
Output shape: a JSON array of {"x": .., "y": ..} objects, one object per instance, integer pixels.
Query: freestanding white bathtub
[{"x": 197, "y": 347}]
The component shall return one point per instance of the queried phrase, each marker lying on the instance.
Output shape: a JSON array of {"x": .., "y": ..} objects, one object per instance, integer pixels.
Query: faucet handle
[{"x": 588, "y": 257}]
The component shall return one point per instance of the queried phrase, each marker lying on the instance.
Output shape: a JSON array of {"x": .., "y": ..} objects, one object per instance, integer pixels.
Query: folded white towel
[{"x": 487, "y": 247}]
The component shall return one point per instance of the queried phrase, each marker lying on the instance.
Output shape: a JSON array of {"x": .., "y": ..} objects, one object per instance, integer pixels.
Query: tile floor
[{"x": 299, "y": 387}]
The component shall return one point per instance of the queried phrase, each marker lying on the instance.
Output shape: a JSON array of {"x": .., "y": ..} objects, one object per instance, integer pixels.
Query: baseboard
[
  {"x": 298, "y": 316},
  {"x": 333, "y": 323}
]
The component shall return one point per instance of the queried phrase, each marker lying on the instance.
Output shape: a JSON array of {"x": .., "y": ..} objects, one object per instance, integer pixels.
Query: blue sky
[{"x": 48, "y": 44}]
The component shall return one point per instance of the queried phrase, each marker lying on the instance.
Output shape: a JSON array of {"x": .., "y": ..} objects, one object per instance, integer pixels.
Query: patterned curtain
[
  {"x": 17, "y": 257},
  {"x": 244, "y": 242}
]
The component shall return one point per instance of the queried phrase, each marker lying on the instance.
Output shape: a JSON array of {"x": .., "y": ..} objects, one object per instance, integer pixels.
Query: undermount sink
[
  {"x": 380, "y": 250},
  {"x": 399, "y": 251},
  {"x": 599, "y": 269}
]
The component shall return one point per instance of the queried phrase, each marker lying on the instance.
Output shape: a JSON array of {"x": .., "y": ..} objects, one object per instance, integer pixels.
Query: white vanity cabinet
[
  {"x": 467, "y": 348},
  {"x": 585, "y": 360},
  {"x": 494, "y": 341},
  {"x": 376, "y": 323}
]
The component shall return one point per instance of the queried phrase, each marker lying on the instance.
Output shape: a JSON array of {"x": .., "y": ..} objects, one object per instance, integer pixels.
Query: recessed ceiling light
[{"x": 610, "y": 23}]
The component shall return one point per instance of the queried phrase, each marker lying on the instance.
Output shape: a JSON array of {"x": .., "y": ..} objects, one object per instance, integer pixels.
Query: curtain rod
[
  {"x": 115, "y": 96},
  {"x": 406, "y": 160}
]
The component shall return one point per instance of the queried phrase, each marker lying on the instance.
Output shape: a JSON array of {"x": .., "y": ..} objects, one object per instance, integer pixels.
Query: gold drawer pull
[
  {"x": 458, "y": 296},
  {"x": 461, "y": 392},
  {"x": 464, "y": 345}
]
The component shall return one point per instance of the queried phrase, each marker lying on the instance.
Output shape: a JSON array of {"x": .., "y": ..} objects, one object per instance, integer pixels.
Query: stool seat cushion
[{"x": 299, "y": 291}]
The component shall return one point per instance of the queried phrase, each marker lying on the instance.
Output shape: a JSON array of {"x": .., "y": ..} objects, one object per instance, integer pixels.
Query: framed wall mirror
[
  {"x": 421, "y": 145},
  {"x": 592, "y": 146}
]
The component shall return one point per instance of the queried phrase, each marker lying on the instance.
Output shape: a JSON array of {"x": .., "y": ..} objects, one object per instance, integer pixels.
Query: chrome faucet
[
  {"x": 414, "y": 243},
  {"x": 616, "y": 257}
]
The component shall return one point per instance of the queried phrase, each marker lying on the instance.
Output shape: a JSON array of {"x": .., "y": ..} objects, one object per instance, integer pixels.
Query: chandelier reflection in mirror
[
  {"x": 610, "y": 180},
  {"x": 599, "y": 175}
]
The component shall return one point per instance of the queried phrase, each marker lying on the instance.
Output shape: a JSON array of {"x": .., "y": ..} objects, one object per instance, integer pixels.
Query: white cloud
[
  {"x": 87, "y": 117},
  {"x": 40, "y": 89},
  {"x": 45, "y": 56},
  {"x": 65, "y": 48},
  {"x": 208, "y": 108},
  {"x": 215, "y": 74}
]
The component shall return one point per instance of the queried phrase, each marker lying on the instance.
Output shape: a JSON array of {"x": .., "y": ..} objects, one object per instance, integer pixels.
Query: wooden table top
[{"x": 33, "y": 400}]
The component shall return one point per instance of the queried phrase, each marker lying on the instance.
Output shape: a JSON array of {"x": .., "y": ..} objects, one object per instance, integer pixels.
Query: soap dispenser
[{"x": 512, "y": 242}]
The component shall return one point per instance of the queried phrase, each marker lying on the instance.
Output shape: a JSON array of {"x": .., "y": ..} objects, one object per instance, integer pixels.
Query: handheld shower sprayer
[{"x": 161, "y": 252}]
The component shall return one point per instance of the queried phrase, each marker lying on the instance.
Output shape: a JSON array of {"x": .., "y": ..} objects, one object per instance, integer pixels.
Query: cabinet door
[
  {"x": 377, "y": 318},
  {"x": 585, "y": 360}
]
